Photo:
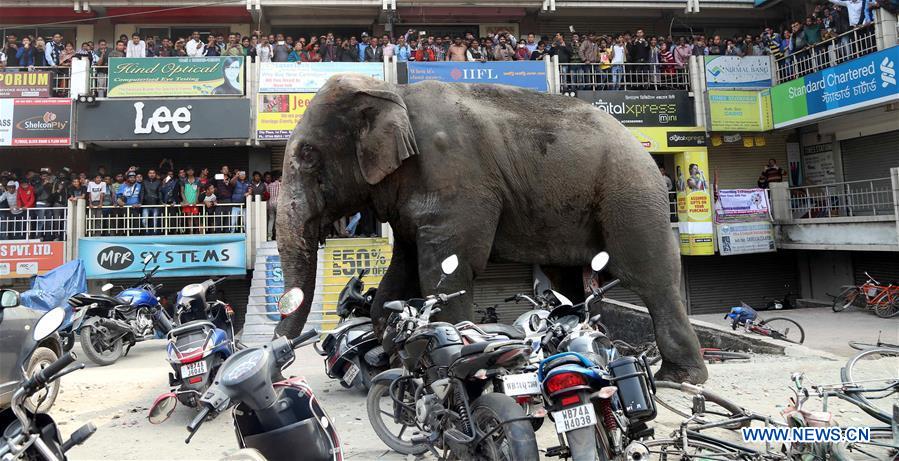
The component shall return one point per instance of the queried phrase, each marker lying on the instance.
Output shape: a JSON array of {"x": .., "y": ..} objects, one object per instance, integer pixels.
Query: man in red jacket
[{"x": 26, "y": 198}]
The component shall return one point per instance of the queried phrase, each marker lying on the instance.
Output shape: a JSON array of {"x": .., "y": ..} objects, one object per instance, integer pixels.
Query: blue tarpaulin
[{"x": 55, "y": 287}]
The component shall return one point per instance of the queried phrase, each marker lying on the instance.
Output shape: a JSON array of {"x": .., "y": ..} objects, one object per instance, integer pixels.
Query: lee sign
[
  {"x": 25, "y": 259},
  {"x": 862, "y": 82},
  {"x": 161, "y": 119},
  {"x": 176, "y": 256}
]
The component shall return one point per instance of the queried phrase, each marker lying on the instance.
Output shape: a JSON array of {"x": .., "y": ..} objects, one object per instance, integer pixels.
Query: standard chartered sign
[{"x": 866, "y": 81}]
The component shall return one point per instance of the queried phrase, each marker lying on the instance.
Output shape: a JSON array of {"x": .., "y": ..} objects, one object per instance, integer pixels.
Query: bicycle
[
  {"x": 780, "y": 328},
  {"x": 882, "y": 299},
  {"x": 860, "y": 346}
]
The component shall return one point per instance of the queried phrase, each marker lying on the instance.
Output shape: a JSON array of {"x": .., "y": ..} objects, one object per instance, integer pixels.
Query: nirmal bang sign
[{"x": 176, "y": 256}]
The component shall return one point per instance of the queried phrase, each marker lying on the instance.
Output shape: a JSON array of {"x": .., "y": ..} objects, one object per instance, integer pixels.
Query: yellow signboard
[
  {"x": 278, "y": 114},
  {"x": 346, "y": 257},
  {"x": 740, "y": 110},
  {"x": 694, "y": 204},
  {"x": 672, "y": 140}
]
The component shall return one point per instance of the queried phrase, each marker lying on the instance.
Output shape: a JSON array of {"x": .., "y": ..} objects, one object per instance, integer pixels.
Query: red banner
[{"x": 25, "y": 259}]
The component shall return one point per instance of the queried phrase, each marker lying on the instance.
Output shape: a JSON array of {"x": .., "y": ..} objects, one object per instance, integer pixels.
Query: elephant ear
[{"x": 385, "y": 138}]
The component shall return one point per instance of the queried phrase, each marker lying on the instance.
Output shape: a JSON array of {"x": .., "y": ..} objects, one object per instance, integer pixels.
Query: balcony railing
[
  {"x": 98, "y": 79},
  {"x": 165, "y": 220},
  {"x": 871, "y": 197},
  {"x": 628, "y": 76},
  {"x": 46, "y": 224},
  {"x": 828, "y": 53}
]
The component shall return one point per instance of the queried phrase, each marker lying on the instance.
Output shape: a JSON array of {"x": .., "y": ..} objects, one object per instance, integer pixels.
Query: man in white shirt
[
  {"x": 195, "y": 47},
  {"x": 137, "y": 48}
]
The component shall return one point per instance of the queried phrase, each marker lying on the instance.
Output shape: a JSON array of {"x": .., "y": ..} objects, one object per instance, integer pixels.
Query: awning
[
  {"x": 199, "y": 15},
  {"x": 37, "y": 15}
]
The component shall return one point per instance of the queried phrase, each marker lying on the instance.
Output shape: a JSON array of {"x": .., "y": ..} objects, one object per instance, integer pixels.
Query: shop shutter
[
  {"x": 883, "y": 266},
  {"x": 738, "y": 167},
  {"x": 717, "y": 283},
  {"x": 870, "y": 157},
  {"x": 278, "y": 157},
  {"x": 500, "y": 281}
]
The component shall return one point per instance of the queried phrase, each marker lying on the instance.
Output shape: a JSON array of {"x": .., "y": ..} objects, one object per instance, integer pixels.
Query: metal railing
[
  {"x": 45, "y": 223},
  {"x": 628, "y": 76},
  {"x": 828, "y": 53},
  {"x": 60, "y": 76},
  {"x": 98, "y": 80},
  {"x": 871, "y": 197},
  {"x": 165, "y": 220}
]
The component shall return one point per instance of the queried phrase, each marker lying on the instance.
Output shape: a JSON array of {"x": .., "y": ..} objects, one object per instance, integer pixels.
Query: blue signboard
[
  {"x": 526, "y": 74},
  {"x": 176, "y": 256},
  {"x": 274, "y": 286},
  {"x": 862, "y": 82}
]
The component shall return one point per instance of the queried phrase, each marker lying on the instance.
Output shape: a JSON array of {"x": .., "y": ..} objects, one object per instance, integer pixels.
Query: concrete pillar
[
  {"x": 552, "y": 73},
  {"x": 884, "y": 29},
  {"x": 894, "y": 182},
  {"x": 696, "y": 66},
  {"x": 79, "y": 77},
  {"x": 780, "y": 203},
  {"x": 251, "y": 85}
]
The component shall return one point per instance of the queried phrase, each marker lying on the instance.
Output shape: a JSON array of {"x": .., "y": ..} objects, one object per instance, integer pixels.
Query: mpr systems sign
[
  {"x": 163, "y": 119},
  {"x": 176, "y": 256}
]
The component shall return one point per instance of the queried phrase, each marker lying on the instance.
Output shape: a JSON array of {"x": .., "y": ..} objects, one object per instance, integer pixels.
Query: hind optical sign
[
  {"x": 176, "y": 256},
  {"x": 863, "y": 82}
]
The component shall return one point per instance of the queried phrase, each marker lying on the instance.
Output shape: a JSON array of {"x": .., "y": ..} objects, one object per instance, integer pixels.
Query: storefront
[{"x": 35, "y": 133}]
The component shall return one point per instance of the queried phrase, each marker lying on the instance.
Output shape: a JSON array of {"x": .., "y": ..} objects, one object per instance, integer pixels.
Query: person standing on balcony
[
  {"x": 361, "y": 46},
  {"x": 194, "y": 46},
  {"x": 240, "y": 190},
  {"x": 190, "y": 197},
  {"x": 137, "y": 48},
  {"x": 531, "y": 43},
  {"x": 274, "y": 191},
  {"x": 211, "y": 49},
  {"x": 264, "y": 50},
  {"x": 619, "y": 51},
  {"x": 11, "y": 50},
  {"x": 457, "y": 51},
  {"x": 10, "y": 212},
  {"x": 96, "y": 192},
  {"x": 152, "y": 198},
  {"x": 389, "y": 49},
  {"x": 25, "y": 53},
  {"x": 374, "y": 52},
  {"x": 540, "y": 52},
  {"x": 280, "y": 52},
  {"x": 503, "y": 51},
  {"x": 119, "y": 51},
  {"x": 25, "y": 199},
  {"x": 682, "y": 52},
  {"x": 771, "y": 173},
  {"x": 53, "y": 49},
  {"x": 855, "y": 10},
  {"x": 233, "y": 47},
  {"x": 638, "y": 55},
  {"x": 403, "y": 51}
]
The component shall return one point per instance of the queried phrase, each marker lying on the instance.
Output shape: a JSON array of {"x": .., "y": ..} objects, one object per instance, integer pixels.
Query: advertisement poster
[
  {"x": 176, "y": 256},
  {"x": 525, "y": 74},
  {"x": 35, "y": 122},
  {"x": 278, "y": 114},
  {"x": 163, "y": 119},
  {"x": 738, "y": 72},
  {"x": 862, "y": 82},
  {"x": 207, "y": 76},
  {"x": 308, "y": 77},
  {"x": 694, "y": 203},
  {"x": 747, "y": 237},
  {"x": 740, "y": 110},
  {"x": 25, "y": 84},
  {"x": 817, "y": 161},
  {"x": 644, "y": 108},
  {"x": 742, "y": 205},
  {"x": 668, "y": 140},
  {"x": 25, "y": 259},
  {"x": 344, "y": 258}
]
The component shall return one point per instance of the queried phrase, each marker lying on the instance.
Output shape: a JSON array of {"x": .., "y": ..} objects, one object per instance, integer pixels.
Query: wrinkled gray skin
[{"x": 487, "y": 172}]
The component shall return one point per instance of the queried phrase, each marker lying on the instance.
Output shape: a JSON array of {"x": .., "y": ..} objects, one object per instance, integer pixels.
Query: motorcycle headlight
[{"x": 194, "y": 289}]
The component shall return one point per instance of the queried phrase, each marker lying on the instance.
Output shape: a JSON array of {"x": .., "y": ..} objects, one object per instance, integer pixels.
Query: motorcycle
[
  {"x": 109, "y": 326},
  {"x": 276, "y": 417},
  {"x": 586, "y": 377},
  {"x": 442, "y": 388},
  {"x": 353, "y": 353},
  {"x": 201, "y": 341},
  {"x": 35, "y": 436}
]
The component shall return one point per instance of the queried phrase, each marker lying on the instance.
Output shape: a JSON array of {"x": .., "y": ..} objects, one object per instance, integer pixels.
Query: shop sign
[
  {"x": 274, "y": 286},
  {"x": 163, "y": 119},
  {"x": 818, "y": 163},
  {"x": 740, "y": 110},
  {"x": 203, "y": 76},
  {"x": 176, "y": 256},
  {"x": 524, "y": 74},
  {"x": 344, "y": 258},
  {"x": 742, "y": 205},
  {"x": 308, "y": 77},
  {"x": 738, "y": 72},
  {"x": 656, "y": 139},
  {"x": 25, "y": 84},
  {"x": 644, "y": 108},
  {"x": 35, "y": 122},
  {"x": 278, "y": 114},
  {"x": 694, "y": 203},
  {"x": 746, "y": 237},
  {"x": 862, "y": 82},
  {"x": 26, "y": 259}
]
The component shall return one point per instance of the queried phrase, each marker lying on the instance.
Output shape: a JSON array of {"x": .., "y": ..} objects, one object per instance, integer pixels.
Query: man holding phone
[
  {"x": 280, "y": 51},
  {"x": 194, "y": 46}
]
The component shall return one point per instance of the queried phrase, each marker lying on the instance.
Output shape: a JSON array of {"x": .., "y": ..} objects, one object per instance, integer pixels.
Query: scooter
[
  {"x": 353, "y": 353},
  {"x": 202, "y": 340},
  {"x": 35, "y": 436},
  {"x": 280, "y": 418}
]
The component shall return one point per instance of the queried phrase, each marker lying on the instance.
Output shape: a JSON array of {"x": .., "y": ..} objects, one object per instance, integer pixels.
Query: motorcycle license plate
[
  {"x": 193, "y": 369},
  {"x": 351, "y": 374},
  {"x": 521, "y": 384},
  {"x": 573, "y": 418}
]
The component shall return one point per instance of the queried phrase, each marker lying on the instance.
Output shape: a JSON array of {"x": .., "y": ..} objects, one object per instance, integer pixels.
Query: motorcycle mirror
[
  {"x": 9, "y": 298},
  {"x": 147, "y": 259},
  {"x": 162, "y": 408},
  {"x": 106, "y": 287},
  {"x": 48, "y": 323},
  {"x": 290, "y": 301},
  {"x": 534, "y": 322},
  {"x": 599, "y": 261},
  {"x": 450, "y": 264}
]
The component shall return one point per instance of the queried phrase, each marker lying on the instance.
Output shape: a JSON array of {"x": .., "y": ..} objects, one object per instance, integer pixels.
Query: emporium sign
[
  {"x": 35, "y": 122},
  {"x": 205, "y": 76},
  {"x": 308, "y": 77},
  {"x": 25, "y": 84},
  {"x": 862, "y": 82},
  {"x": 738, "y": 72},
  {"x": 524, "y": 74},
  {"x": 644, "y": 108},
  {"x": 740, "y": 110},
  {"x": 176, "y": 256}
]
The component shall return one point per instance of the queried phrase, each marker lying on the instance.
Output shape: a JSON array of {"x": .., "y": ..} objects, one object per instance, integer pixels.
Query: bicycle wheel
[
  {"x": 673, "y": 449},
  {"x": 887, "y": 310},
  {"x": 679, "y": 399},
  {"x": 784, "y": 329},
  {"x": 879, "y": 447},
  {"x": 874, "y": 368},
  {"x": 845, "y": 299},
  {"x": 860, "y": 346}
]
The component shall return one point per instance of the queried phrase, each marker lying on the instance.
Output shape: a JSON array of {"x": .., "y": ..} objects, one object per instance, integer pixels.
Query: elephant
[{"x": 489, "y": 173}]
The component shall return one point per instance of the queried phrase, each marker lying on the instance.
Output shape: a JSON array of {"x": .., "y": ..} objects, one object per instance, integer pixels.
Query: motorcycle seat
[
  {"x": 192, "y": 326},
  {"x": 564, "y": 360},
  {"x": 502, "y": 329},
  {"x": 84, "y": 299},
  {"x": 479, "y": 347}
]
